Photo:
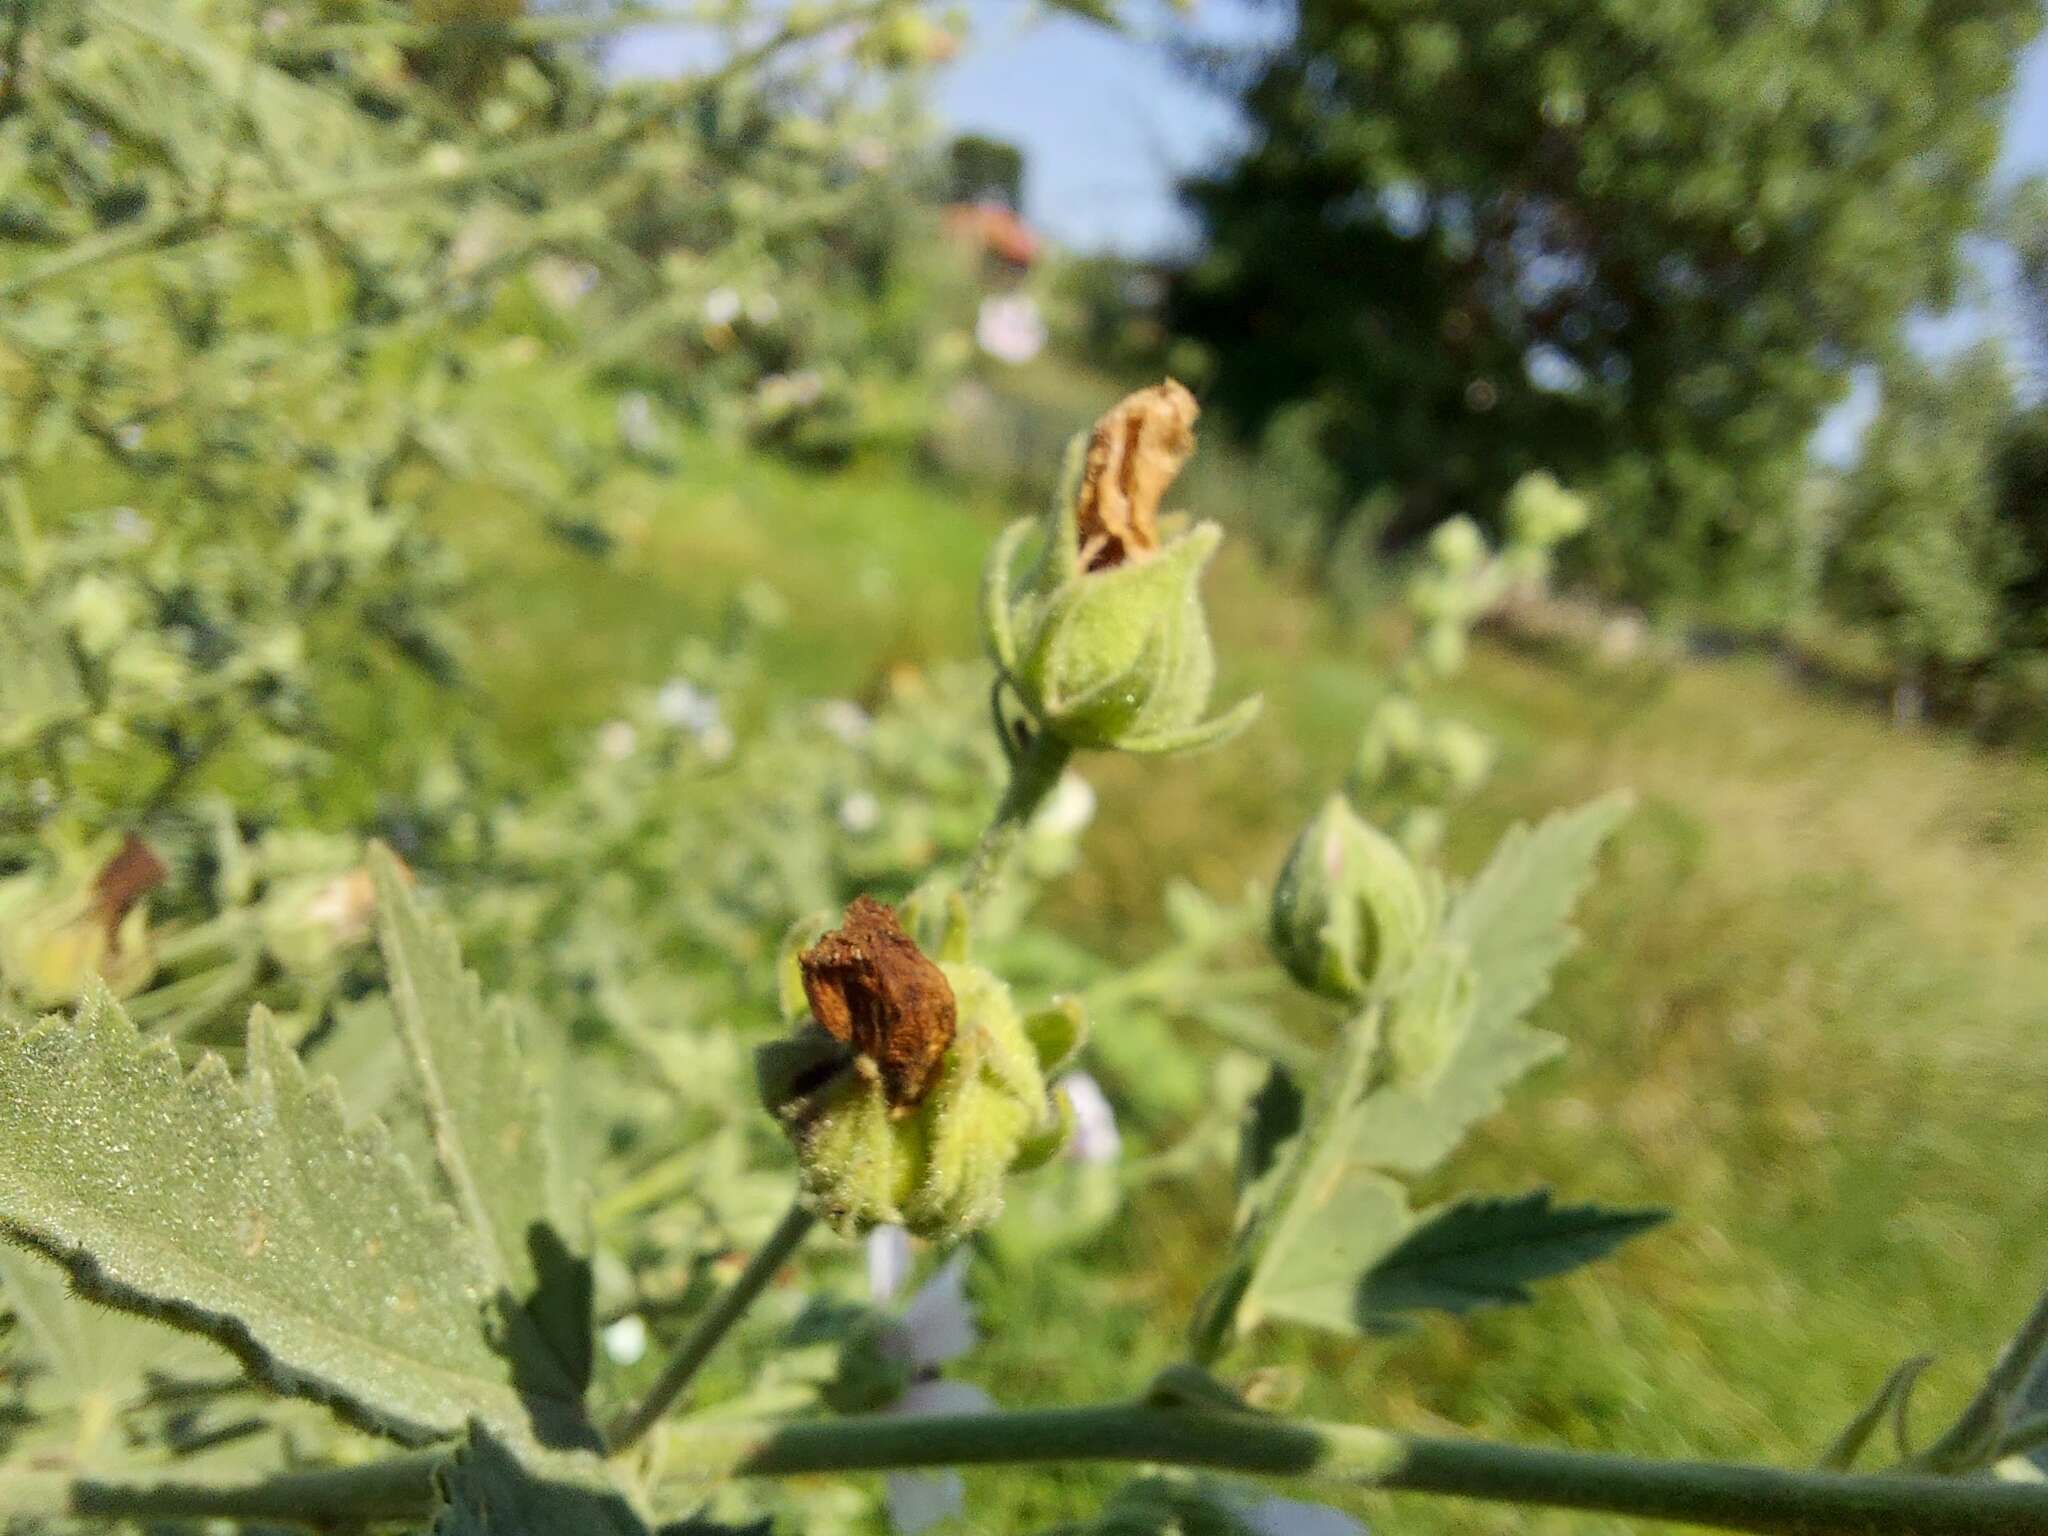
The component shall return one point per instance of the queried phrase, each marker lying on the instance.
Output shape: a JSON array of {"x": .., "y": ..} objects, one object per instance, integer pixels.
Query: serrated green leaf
[
  {"x": 1487, "y": 1250},
  {"x": 1325, "y": 1212},
  {"x": 491, "y": 1136},
  {"x": 1515, "y": 921},
  {"x": 249, "y": 1212},
  {"x": 488, "y": 1491}
]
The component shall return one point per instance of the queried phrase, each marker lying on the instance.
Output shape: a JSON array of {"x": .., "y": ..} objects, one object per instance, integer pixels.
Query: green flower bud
[
  {"x": 1349, "y": 909},
  {"x": 1462, "y": 754},
  {"x": 58, "y": 934},
  {"x": 1457, "y": 545},
  {"x": 1107, "y": 644},
  {"x": 912, "y": 1089},
  {"x": 1542, "y": 512}
]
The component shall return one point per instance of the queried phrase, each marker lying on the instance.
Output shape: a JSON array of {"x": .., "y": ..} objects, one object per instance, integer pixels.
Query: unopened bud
[
  {"x": 1107, "y": 645},
  {"x": 1542, "y": 512},
  {"x": 1349, "y": 909}
]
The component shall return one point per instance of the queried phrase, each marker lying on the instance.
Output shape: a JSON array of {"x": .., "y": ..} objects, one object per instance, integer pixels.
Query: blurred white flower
[
  {"x": 721, "y": 306},
  {"x": 564, "y": 284},
  {"x": 1294, "y": 1517},
  {"x": 131, "y": 525},
  {"x": 129, "y": 435},
  {"x": 860, "y": 812},
  {"x": 1009, "y": 328},
  {"x": 844, "y": 719},
  {"x": 937, "y": 1326},
  {"x": 616, "y": 740},
  {"x": 1069, "y": 808},
  {"x": 626, "y": 1340},
  {"x": 764, "y": 309},
  {"x": 638, "y": 429},
  {"x": 1096, "y": 1138},
  {"x": 682, "y": 704}
]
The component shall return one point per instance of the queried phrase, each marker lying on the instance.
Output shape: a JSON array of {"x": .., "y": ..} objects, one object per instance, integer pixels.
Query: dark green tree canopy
[{"x": 1636, "y": 242}]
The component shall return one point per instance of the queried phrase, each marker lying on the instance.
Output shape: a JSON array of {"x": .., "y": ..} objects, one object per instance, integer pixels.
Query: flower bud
[
  {"x": 1457, "y": 545},
  {"x": 912, "y": 1089},
  {"x": 58, "y": 934},
  {"x": 1542, "y": 512},
  {"x": 1349, "y": 909},
  {"x": 1462, "y": 754},
  {"x": 1107, "y": 644}
]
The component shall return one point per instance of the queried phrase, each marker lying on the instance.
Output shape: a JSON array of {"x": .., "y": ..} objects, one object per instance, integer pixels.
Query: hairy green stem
[
  {"x": 1735, "y": 1498},
  {"x": 1033, "y": 774},
  {"x": 1725, "y": 1497},
  {"x": 730, "y": 1307},
  {"x": 399, "y": 1489}
]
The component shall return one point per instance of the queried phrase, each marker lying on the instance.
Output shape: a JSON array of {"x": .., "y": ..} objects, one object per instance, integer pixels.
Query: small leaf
[
  {"x": 491, "y": 1138},
  {"x": 488, "y": 1491},
  {"x": 1891, "y": 1400},
  {"x": 249, "y": 1212},
  {"x": 1486, "y": 1250}
]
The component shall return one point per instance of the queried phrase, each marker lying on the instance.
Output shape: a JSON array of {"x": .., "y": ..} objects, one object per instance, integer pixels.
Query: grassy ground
[{"x": 1810, "y": 1017}]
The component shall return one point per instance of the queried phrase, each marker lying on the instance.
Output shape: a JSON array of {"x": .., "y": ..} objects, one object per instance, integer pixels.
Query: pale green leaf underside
[
  {"x": 1515, "y": 921},
  {"x": 487, "y": 1491},
  {"x": 248, "y": 1212},
  {"x": 488, "y": 1122}
]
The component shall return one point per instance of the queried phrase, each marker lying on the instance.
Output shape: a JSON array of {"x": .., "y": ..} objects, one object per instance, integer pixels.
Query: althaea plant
[{"x": 435, "y": 1276}]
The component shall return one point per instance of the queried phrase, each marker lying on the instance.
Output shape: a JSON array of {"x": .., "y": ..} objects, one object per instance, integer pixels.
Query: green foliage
[
  {"x": 250, "y": 1212},
  {"x": 1486, "y": 1250},
  {"x": 487, "y": 1490},
  {"x": 1636, "y": 245}
]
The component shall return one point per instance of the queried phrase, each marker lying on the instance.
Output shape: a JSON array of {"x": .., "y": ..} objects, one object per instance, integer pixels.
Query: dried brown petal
[
  {"x": 1136, "y": 451},
  {"x": 126, "y": 878},
  {"x": 871, "y": 986}
]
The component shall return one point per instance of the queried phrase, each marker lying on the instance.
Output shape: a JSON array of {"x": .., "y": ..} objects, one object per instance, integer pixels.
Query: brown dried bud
[
  {"x": 1137, "y": 449},
  {"x": 124, "y": 880},
  {"x": 871, "y": 987}
]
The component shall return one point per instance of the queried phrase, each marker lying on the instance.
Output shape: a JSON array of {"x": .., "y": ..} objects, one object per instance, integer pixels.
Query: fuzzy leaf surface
[
  {"x": 248, "y": 1211},
  {"x": 486, "y": 1490},
  {"x": 491, "y": 1136}
]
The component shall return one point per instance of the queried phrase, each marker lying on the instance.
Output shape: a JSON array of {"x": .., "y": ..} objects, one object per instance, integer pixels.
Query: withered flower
[
  {"x": 1134, "y": 454},
  {"x": 124, "y": 880},
  {"x": 871, "y": 987}
]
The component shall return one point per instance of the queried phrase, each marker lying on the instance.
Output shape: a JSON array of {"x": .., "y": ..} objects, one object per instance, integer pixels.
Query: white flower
[
  {"x": 1096, "y": 1138},
  {"x": 626, "y": 1340},
  {"x": 1009, "y": 328},
  {"x": 1293, "y": 1517},
  {"x": 638, "y": 429},
  {"x": 682, "y": 704},
  {"x": 616, "y": 740},
  {"x": 129, "y": 435},
  {"x": 131, "y": 525},
  {"x": 1069, "y": 808},
  {"x": 721, "y": 306},
  {"x": 937, "y": 1326},
  {"x": 844, "y": 719},
  {"x": 860, "y": 812},
  {"x": 888, "y": 1255},
  {"x": 764, "y": 308}
]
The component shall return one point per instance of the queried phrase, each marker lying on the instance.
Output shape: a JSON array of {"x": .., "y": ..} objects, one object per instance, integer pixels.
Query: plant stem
[
  {"x": 713, "y": 1326},
  {"x": 1727, "y": 1497},
  {"x": 399, "y": 1489},
  {"x": 1032, "y": 776}
]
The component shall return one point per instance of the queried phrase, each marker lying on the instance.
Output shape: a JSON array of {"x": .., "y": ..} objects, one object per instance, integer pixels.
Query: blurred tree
[
  {"x": 985, "y": 170},
  {"x": 1638, "y": 243},
  {"x": 1926, "y": 552}
]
